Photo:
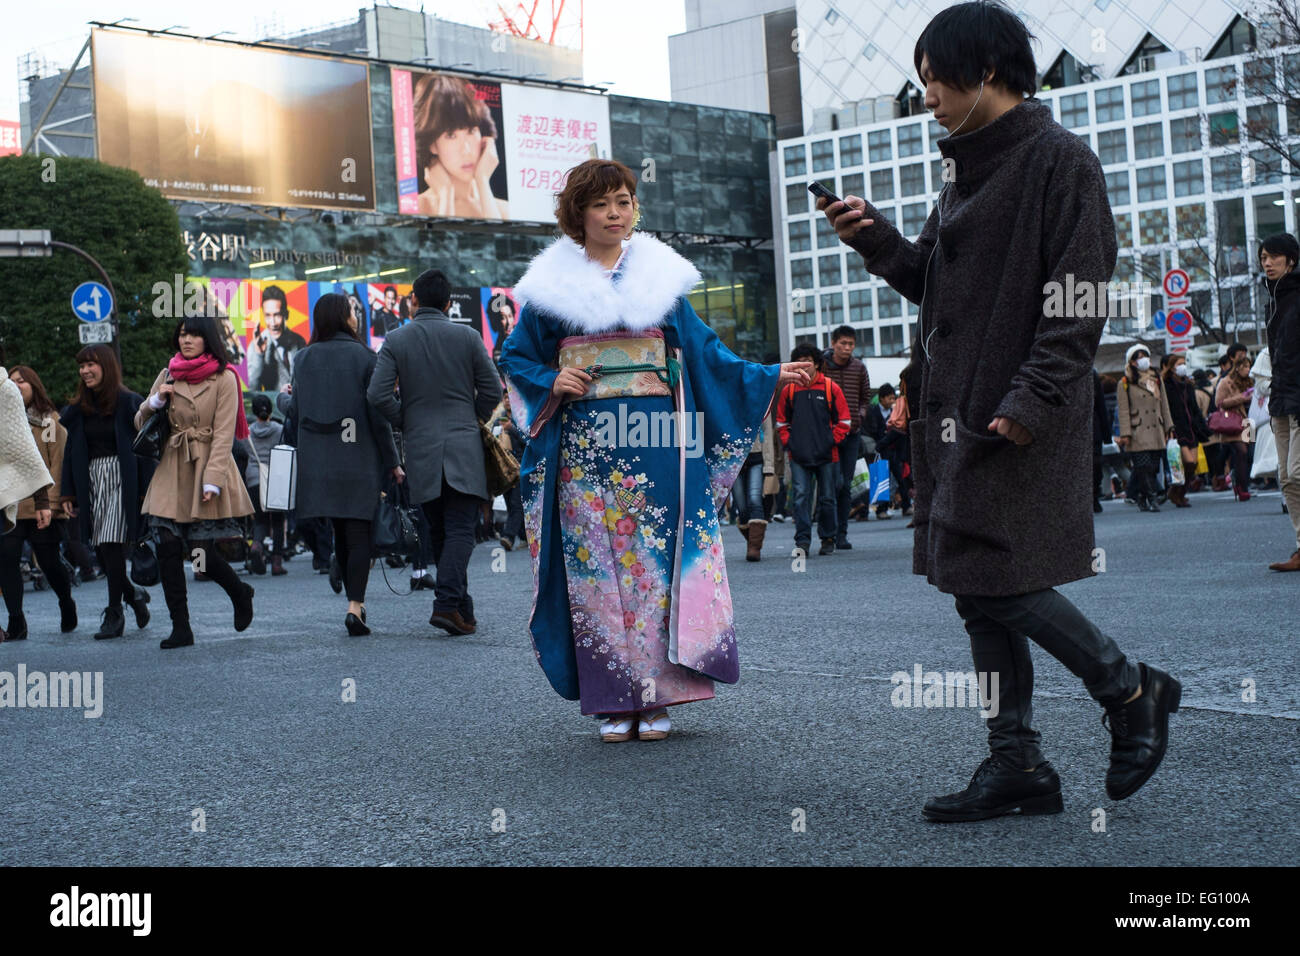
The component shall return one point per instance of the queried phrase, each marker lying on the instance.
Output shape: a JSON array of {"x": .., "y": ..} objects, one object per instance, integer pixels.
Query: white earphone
[{"x": 938, "y": 205}]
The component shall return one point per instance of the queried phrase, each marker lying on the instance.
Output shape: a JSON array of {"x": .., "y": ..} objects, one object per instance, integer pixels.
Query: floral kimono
[{"x": 622, "y": 486}]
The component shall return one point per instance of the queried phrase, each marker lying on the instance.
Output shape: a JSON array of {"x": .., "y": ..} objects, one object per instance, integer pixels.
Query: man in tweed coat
[{"x": 1001, "y": 441}]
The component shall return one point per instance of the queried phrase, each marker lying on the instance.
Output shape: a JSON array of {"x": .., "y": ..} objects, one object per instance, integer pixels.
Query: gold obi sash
[{"x": 622, "y": 364}]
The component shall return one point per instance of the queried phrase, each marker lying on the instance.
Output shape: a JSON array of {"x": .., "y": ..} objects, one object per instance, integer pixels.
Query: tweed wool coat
[{"x": 1027, "y": 205}]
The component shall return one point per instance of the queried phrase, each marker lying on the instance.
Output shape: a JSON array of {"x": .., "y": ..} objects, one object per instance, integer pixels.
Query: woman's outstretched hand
[{"x": 800, "y": 372}]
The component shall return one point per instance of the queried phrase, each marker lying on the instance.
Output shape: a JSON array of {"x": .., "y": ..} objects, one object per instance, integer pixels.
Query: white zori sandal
[
  {"x": 616, "y": 729},
  {"x": 654, "y": 726}
]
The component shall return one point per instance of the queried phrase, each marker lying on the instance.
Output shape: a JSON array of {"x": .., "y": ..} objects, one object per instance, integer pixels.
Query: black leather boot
[
  {"x": 67, "y": 615},
  {"x": 1140, "y": 732},
  {"x": 112, "y": 624},
  {"x": 17, "y": 630},
  {"x": 140, "y": 604},
  {"x": 997, "y": 790},
  {"x": 181, "y": 635},
  {"x": 243, "y": 604}
]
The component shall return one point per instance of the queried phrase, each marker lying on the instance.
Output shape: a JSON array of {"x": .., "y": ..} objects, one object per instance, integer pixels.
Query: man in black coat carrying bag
[{"x": 1001, "y": 441}]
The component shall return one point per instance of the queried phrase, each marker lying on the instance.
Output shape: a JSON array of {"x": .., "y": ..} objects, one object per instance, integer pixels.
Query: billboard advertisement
[
  {"x": 265, "y": 323},
  {"x": 469, "y": 149},
  {"x": 226, "y": 123},
  {"x": 10, "y": 138}
]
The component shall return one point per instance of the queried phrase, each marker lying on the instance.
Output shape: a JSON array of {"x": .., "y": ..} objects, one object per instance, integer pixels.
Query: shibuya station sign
[{"x": 233, "y": 247}]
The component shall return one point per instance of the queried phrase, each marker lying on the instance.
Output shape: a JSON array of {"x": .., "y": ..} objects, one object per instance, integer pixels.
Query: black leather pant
[{"x": 1000, "y": 629}]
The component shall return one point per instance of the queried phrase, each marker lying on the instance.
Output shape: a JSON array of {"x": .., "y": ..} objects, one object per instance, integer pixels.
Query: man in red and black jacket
[
  {"x": 850, "y": 374},
  {"x": 811, "y": 421}
]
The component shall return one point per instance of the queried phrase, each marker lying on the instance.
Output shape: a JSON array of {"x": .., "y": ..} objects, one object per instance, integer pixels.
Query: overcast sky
[{"x": 632, "y": 53}]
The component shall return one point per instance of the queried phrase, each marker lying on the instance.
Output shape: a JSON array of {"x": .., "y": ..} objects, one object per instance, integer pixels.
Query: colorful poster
[
  {"x": 234, "y": 123},
  {"x": 500, "y": 310},
  {"x": 390, "y": 307},
  {"x": 448, "y": 135},
  {"x": 466, "y": 307},
  {"x": 468, "y": 149},
  {"x": 277, "y": 328}
]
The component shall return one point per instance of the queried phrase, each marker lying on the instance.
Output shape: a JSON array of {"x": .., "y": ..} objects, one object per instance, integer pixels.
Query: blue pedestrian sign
[
  {"x": 1158, "y": 320},
  {"x": 91, "y": 302}
]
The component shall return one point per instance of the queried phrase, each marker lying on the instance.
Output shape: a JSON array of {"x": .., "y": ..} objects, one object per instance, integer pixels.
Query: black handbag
[
  {"x": 394, "y": 531},
  {"x": 152, "y": 437},
  {"x": 144, "y": 564}
]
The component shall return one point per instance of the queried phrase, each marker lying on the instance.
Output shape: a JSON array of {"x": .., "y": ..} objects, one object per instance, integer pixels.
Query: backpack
[{"x": 812, "y": 442}]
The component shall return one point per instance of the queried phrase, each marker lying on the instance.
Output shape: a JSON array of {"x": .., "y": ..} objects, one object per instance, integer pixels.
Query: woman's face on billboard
[{"x": 459, "y": 152}]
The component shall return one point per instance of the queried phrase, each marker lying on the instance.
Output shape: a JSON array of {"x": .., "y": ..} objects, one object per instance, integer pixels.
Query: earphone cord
[{"x": 925, "y": 286}]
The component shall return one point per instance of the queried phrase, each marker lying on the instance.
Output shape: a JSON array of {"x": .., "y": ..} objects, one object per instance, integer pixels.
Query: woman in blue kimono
[{"x": 638, "y": 420}]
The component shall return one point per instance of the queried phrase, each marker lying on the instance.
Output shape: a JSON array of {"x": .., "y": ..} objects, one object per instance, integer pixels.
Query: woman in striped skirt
[{"x": 103, "y": 480}]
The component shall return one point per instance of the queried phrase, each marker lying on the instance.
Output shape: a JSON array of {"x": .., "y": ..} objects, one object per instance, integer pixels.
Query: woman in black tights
[
  {"x": 344, "y": 445},
  {"x": 36, "y": 522},
  {"x": 103, "y": 480}
]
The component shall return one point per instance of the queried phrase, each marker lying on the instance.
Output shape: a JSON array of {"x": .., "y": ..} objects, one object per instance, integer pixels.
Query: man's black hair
[
  {"x": 844, "y": 332},
  {"x": 885, "y": 391},
  {"x": 806, "y": 351},
  {"x": 433, "y": 289},
  {"x": 1234, "y": 349},
  {"x": 1282, "y": 244},
  {"x": 276, "y": 294},
  {"x": 966, "y": 41}
]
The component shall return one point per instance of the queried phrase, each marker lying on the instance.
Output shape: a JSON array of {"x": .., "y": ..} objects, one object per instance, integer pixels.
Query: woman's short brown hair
[
  {"x": 588, "y": 182},
  {"x": 444, "y": 104}
]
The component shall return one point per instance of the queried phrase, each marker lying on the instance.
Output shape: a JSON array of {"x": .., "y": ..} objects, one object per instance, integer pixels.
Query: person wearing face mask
[
  {"x": 1145, "y": 424},
  {"x": 1190, "y": 428},
  {"x": 1233, "y": 395}
]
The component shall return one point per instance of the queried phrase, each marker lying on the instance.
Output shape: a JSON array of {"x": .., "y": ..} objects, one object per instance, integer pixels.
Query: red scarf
[{"x": 199, "y": 369}]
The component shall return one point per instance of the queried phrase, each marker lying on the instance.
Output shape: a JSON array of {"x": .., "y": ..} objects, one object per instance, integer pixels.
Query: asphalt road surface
[{"x": 456, "y": 750}]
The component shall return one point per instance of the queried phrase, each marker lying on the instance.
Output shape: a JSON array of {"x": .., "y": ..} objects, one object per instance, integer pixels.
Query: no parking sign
[{"x": 1178, "y": 319}]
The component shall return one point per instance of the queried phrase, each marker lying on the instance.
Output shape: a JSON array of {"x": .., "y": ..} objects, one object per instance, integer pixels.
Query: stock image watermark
[
  {"x": 69, "y": 690},
  {"x": 130, "y": 910},
  {"x": 660, "y": 429},
  {"x": 930, "y": 689}
]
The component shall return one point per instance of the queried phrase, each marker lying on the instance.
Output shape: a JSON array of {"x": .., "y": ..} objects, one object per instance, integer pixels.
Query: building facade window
[
  {"x": 833, "y": 309},
  {"x": 859, "y": 305},
  {"x": 882, "y": 184},
  {"x": 853, "y": 185},
  {"x": 1117, "y": 188},
  {"x": 1185, "y": 135},
  {"x": 1110, "y": 104},
  {"x": 889, "y": 304},
  {"x": 879, "y": 149},
  {"x": 796, "y": 199},
  {"x": 800, "y": 236},
  {"x": 1225, "y": 173},
  {"x": 826, "y": 237},
  {"x": 1151, "y": 183},
  {"x": 913, "y": 219},
  {"x": 828, "y": 271},
  {"x": 1261, "y": 121},
  {"x": 1189, "y": 178},
  {"x": 1148, "y": 141},
  {"x": 909, "y": 140},
  {"x": 850, "y": 150},
  {"x": 1265, "y": 167},
  {"x": 891, "y": 339},
  {"x": 801, "y": 275},
  {"x": 911, "y": 180},
  {"x": 1112, "y": 146},
  {"x": 823, "y": 156},
  {"x": 1220, "y": 85},
  {"x": 1224, "y": 130},
  {"x": 1153, "y": 227},
  {"x": 796, "y": 163},
  {"x": 1183, "y": 93},
  {"x": 1146, "y": 98},
  {"x": 1124, "y": 229},
  {"x": 1074, "y": 110}
]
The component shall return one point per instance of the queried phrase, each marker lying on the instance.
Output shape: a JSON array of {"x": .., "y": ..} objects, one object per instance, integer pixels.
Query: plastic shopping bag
[
  {"x": 879, "y": 477},
  {"x": 1174, "y": 453}
]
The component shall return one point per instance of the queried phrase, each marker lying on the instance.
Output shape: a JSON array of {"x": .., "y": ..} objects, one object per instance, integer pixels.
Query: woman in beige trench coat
[
  {"x": 197, "y": 496},
  {"x": 1145, "y": 424}
]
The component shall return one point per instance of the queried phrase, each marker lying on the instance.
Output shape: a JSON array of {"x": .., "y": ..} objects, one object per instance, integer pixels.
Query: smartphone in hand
[{"x": 821, "y": 192}]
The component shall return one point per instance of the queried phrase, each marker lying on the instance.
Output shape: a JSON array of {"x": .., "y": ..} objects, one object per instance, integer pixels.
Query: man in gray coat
[
  {"x": 1001, "y": 438},
  {"x": 448, "y": 384}
]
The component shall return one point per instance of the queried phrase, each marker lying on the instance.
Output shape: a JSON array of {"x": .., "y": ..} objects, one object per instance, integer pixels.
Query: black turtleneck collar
[
  {"x": 1286, "y": 286},
  {"x": 980, "y": 151}
]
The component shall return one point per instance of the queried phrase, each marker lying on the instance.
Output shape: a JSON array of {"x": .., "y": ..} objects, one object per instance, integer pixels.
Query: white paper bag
[{"x": 281, "y": 479}]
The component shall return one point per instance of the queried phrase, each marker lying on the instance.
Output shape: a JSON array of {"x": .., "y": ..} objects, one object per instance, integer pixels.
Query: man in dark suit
[{"x": 448, "y": 385}]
